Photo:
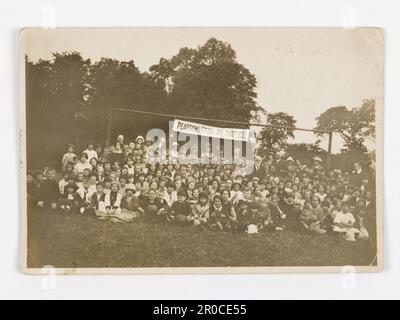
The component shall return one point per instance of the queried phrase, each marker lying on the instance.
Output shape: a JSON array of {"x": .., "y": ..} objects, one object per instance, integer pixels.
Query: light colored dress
[{"x": 343, "y": 223}]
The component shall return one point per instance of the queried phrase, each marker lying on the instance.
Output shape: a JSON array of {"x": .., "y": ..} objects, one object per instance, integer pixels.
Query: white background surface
[{"x": 17, "y": 14}]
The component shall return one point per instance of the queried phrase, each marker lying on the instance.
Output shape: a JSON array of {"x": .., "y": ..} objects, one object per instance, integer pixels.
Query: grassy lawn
[{"x": 70, "y": 241}]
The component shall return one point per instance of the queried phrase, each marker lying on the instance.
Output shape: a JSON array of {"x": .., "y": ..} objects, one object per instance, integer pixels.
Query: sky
[{"x": 301, "y": 71}]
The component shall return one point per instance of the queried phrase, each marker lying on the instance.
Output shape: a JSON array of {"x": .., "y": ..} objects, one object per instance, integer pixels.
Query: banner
[{"x": 210, "y": 131}]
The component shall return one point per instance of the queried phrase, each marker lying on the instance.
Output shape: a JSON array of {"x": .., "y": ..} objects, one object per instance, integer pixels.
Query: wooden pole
[
  {"x": 109, "y": 126},
  {"x": 329, "y": 156}
]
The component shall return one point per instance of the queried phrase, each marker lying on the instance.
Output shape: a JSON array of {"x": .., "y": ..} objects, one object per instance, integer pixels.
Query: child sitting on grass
[
  {"x": 49, "y": 190},
  {"x": 228, "y": 206},
  {"x": 85, "y": 194},
  {"x": 326, "y": 220},
  {"x": 98, "y": 197},
  {"x": 344, "y": 223},
  {"x": 70, "y": 200},
  {"x": 112, "y": 202},
  {"x": 311, "y": 216},
  {"x": 153, "y": 207},
  {"x": 236, "y": 194},
  {"x": 277, "y": 215},
  {"x": 243, "y": 216},
  {"x": 130, "y": 205},
  {"x": 219, "y": 215},
  {"x": 68, "y": 157},
  {"x": 264, "y": 213},
  {"x": 200, "y": 211},
  {"x": 180, "y": 209}
]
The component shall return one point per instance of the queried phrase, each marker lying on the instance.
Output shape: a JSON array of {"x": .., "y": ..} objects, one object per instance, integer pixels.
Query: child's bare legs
[{"x": 319, "y": 230}]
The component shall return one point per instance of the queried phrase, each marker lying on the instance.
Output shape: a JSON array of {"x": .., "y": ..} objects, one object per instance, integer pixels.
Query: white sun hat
[
  {"x": 290, "y": 159},
  {"x": 139, "y": 137},
  {"x": 251, "y": 229}
]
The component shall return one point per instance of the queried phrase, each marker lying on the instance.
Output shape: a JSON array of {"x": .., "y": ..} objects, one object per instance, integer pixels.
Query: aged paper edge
[{"x": 379, "y": 117}]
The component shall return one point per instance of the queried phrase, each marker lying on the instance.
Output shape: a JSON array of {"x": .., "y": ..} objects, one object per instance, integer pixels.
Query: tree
[
  {"x": 207, "y": 81},
  {"x": 56, "y": 92},
  {"x": 68, "y": 97},
  {"x": 274, "y": 138},
  {"x": 354, "y": 125},
  {"x": 120, "y": 84},
  {"x": 161, "y": 73}
]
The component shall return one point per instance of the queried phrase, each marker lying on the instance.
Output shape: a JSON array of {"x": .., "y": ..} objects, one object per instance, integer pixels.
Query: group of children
[{"x": 119, "y": 184}]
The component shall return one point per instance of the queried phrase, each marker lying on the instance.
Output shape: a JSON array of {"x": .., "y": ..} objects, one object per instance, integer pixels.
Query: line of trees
[
  {"x": 67, "y": 100},
  {"x": 68, "y": 97},
  {"x": 354, "y": 126}
]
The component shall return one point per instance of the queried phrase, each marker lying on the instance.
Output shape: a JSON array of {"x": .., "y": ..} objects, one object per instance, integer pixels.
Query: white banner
[{"x": 209, "y": 131}]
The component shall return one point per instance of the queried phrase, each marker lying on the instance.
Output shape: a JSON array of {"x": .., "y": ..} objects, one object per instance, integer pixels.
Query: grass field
[{"x": 74, "y": 241}]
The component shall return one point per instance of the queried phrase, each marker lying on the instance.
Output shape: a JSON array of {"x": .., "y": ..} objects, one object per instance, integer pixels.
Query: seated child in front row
[
  {"x": 264, "y": 213},
  {"x": 219, "y": 215},
  {"x": 98, "y": 197},
  {"x": 85, "y": 194},
  {"x": 200, "y": 211},
  {"x": 112, "y": 202},
  {"x": 311, "y": 216},
  {"x": 180, "y": 209},
  {"x": 153, "y": 206},
  {"x": 277, "y": 215},
  {"x": 70, "y": 200},
  {"x": 130, "y": 205},
  {"x": 344, "y": 223},
  {"x": 242, "y": 215},
  {"x": 326, "y": 220}
]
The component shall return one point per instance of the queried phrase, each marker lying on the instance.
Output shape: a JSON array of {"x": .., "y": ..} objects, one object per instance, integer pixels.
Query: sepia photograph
[{"x": 201, "y": 149}]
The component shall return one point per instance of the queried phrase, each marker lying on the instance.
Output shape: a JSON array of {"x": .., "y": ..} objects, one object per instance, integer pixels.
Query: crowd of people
[{"x": 119, "y": 184}]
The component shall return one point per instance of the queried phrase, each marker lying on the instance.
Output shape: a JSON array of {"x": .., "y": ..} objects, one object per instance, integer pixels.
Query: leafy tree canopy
[
  {"x": 354, "y": 125},
  {"x": 274, "y": 139},
  {"x": 206, "y": 81}
]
